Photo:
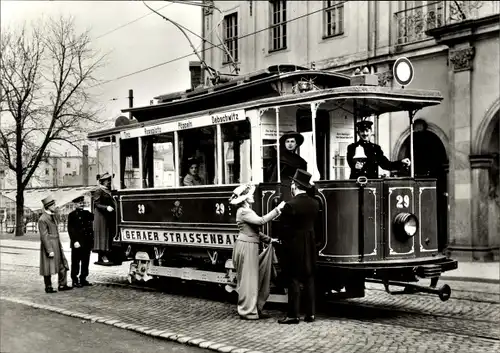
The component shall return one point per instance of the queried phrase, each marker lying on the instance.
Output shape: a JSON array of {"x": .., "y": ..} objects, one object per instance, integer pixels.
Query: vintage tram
[{"x": 380, "y": 230}]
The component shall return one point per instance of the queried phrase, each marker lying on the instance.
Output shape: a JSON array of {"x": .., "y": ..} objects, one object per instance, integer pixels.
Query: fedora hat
[
  {"x": 241, "y": 193},
  {"x": 292, "y": 134},
  {"x": 364, "y": 124},
  {"x": 106, "y": 176},
  {"x": 78, "y": 199},
  {"x": 303, "y": 178},
  {"x": 48, "y": 201}
]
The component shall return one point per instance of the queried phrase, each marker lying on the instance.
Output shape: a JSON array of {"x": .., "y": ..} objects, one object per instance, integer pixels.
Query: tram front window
[
  {"x": 197, "y": 155},
  {"x": 236, "y": 153},
  {"x": 158, "y": 161}
]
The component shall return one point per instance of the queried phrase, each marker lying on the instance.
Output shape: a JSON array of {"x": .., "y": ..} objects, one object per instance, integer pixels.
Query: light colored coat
[{"x": 50, "y": 242}]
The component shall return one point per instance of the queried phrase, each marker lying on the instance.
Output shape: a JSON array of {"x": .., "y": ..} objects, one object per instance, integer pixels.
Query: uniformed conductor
[
  {"x": 364, "y": 157},
  {"x": 81, "y": 234}
]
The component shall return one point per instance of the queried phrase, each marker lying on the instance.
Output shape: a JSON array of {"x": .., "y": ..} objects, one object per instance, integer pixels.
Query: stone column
[
  {"x": 480, "y": 165},
  {"x": 460, "y": 64}
]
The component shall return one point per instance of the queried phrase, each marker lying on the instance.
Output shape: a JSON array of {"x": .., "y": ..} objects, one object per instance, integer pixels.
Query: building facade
[{"x": 454, "y": 47}]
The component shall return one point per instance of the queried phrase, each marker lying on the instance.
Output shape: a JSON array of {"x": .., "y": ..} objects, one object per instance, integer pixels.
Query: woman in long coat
[
  {"x": 104, "y": 217},
  {"x": 52, "y": 259},
  {"x": 253, "y": 272},
  {"x": 290, "y": 161}
]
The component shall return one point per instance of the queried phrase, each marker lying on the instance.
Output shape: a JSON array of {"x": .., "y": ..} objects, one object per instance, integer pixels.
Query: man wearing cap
[
  {"x": 52, "y": 259},
  {"x": 364, "y": 157},
  {"x": 81, "y": 234},
  {"x": 299, "y": 247}
]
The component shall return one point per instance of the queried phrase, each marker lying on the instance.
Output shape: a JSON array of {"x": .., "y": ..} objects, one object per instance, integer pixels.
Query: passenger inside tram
[{"x": 192, "y": 177}]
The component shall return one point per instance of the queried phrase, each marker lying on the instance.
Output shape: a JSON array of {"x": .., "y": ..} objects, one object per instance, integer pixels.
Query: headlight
[{"x": 405, "y": 225}]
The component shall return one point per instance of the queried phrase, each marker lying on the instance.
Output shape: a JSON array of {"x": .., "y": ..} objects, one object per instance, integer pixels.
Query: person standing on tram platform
[
  {"x": 364, "y": 157},
  {"x": 81, "y": 234},
  {"x": 289, "y": 162},
  {"x": 52, "y": 259},
  {"x": 298, "y": 260},
  {"x": 104, "y": 218},
  {"x": 253, "y": 271}
]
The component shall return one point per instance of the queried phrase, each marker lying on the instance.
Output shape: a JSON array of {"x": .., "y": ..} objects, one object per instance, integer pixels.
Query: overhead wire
[
  {"x": 133, "y": 21},
  {"x": 204, "y": 50}
]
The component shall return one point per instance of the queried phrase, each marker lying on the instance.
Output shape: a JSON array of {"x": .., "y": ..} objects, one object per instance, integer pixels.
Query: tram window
[
  {"x": 197, "y": 156},
  {"x": 158, "y": 164},
  {"x": 236, "y": 152},
  {"x": 340, "y": 168},
  {"x": 129, "y": 163}
]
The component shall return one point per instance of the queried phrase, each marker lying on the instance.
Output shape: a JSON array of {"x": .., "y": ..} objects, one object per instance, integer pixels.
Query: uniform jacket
[
  {"x": 80, "y": 228},
  {"x": 297, "y": 236},
  {"x": 375, "y": 158},
  {"x": 50, "y": 242}
]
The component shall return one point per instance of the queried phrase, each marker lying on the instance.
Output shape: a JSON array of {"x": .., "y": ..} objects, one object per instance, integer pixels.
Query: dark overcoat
[
  {"x": 50, "y": 242},
  {"x": 104, "y": 221},
  {"x": 81, "y": 228},
  {"x": 374, "y": 158},
  {"x": 289, "y": 163},
  {"x": 297, "y": 236}
]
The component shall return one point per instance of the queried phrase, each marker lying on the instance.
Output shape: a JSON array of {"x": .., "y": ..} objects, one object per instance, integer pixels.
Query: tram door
[{"x": 304, "y": 126}]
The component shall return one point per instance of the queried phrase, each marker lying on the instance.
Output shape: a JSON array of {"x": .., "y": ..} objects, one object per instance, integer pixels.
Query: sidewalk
[{"x": 467, "y": 271}]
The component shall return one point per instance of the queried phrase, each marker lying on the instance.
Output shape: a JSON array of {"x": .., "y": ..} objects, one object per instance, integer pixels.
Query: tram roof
[{"x": 370, "y": 100}]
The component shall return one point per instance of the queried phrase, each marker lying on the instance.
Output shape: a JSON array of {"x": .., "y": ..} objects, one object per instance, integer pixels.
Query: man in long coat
[
  {"x": 81, "y": 234},
  {"x": 52, "y": 259},
  {"x": 104, "y": 218},
  {"x": 299, "y": 247},
  {"x": 370, "y": 156}
]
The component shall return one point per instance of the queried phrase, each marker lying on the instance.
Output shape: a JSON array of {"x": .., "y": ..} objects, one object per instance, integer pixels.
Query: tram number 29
[
  {"x": 402, "y": 201},
  {"x": 219, "y": 208}
]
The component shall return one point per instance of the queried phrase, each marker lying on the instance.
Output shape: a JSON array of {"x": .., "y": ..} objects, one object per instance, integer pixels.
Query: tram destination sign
[
  {"x": 191, "y": 123},
  {"x": 184, "y": 238}
]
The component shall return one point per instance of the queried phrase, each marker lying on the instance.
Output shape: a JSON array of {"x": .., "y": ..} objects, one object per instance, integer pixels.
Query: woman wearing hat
[
  {"x": 104, "y": 217},
  {"x": 253, "y": 285},
  {"x": 192, "y": 177},
  {"x": 290, "y": 161}
]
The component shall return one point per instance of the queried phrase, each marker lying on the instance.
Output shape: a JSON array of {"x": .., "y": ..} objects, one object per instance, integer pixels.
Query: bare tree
[{"x": 46, "y": 72}]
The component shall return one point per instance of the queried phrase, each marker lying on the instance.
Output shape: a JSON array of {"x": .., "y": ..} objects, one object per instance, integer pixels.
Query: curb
[{"x": 148, "y": 331}]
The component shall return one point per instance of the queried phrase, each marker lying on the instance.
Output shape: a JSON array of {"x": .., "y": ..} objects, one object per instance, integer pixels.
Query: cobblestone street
[{"x": 468, "y": 322}]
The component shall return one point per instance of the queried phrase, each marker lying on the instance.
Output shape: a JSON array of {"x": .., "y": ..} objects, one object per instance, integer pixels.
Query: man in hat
[
  {"x": 364, "y": 157},
  {"x": 299, "y": 247},
  {"x": 104, "y": 219},
  {"x": 81, "y": 234},
  {"x": 290, "y": 161},
  {"x": 52, "y": 259}
]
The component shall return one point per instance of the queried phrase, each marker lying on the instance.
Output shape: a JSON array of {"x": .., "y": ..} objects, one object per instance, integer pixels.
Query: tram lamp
[
  {"x": 364, "y": 78},
  {"x": 405, "y": 225}
]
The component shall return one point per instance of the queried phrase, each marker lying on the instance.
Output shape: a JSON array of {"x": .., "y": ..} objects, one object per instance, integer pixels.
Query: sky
[{"x": 146, "y": 42}]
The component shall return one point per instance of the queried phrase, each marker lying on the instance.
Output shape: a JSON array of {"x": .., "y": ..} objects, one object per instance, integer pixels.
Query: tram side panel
[{"x": 181, "y": 228}]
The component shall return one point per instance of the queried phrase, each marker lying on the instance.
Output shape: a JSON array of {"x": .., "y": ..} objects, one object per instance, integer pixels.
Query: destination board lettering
[
  {"x": 185, "y": 125},
  {"x": 179, "y": 238},
  {"x": 192, "y": 123},
  {"x": 152, "y": 131},
  {"x": 226, "y": 118}
]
